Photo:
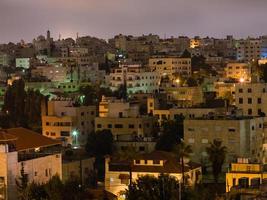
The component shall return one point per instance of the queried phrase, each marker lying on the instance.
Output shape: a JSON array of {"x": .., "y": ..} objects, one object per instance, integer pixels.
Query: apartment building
[
  {"x": 185, "y": 96},
  {"x": 251, "y": 98},
  {"x": 243, "y": 136},
  {"x": 38, "y": 155},
  {"x": 239, "y": 71},
  {"x": 153, "y": 108},
  {"x": 123, "y": 119},
  {"x": 248, "y": 49},
  {"x": 136, "y": 79},
  {"x": 118, "y": 174},
  {"x": 55, "y": 73},
  {"x": 68, "y": 122},
  {"x": 172, "y": 67}
]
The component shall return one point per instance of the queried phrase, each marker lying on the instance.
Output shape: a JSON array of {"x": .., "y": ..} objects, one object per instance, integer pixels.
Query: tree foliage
[
  {"x": 100, "y": 143},
  {"x": 22, "y": 108},
  {"x": 147, "y": 187},
  {"x": 217, "y": 155},
  {"x": 171, "y": 134}
]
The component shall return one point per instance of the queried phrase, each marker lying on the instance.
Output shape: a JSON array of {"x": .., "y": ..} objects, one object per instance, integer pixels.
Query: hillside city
[{"x": 133, "y": 117}]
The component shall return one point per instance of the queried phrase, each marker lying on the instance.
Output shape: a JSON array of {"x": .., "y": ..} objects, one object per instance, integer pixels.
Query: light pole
[{"x": 75, "y": 135}]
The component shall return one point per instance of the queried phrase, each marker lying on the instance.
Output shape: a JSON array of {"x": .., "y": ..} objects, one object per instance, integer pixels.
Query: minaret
[{"x": 48, "y": 35}]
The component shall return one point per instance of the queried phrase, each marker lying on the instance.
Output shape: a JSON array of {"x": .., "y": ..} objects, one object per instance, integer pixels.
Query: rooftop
[{"x": 25, "y": 139}]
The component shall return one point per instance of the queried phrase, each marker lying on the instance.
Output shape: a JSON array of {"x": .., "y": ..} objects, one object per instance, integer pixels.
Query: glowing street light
[
  {"x": 241, "y": 80},
  {"x": 177, "y": 80},
  {"x": 75, "y": 135}
]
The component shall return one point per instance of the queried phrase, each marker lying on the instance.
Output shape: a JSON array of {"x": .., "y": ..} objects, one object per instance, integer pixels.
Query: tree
[
  {"x": 217, "y": 154},
  {"x": 171, "y": 135},
  {"x": 147, "y": 187},
  {"x": 183, "y": 151},
  {"x": 37, "y": 191},
  {"x": 22, "y": 184},
  {"x": 89, "y": 95},
  {"x": 103, "y": 139},
  {"x": 22, "y": 108},
  {"x": 54, "y": 188},
  {"x": 99, "y": 144},
  {"x": 73, "y": 190}
]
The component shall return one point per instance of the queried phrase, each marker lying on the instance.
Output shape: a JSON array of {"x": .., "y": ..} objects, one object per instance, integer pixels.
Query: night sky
[{"x": 26, "y": 19}]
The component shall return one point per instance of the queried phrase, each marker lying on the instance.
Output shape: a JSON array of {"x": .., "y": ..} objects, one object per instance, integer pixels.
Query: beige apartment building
[
  {"x": 239, "y": 71},
  {"x": 184, "y": 96},
  {"x": 123, "y": 119},
  {"x": 251, "y": 98},
  {"x": 117, "y": 174},
  {"x": 67, "y": 122},
  {"x": 243, "y": 136},
  {"x": 172, "y": 67},
  {"x": 38, "y": 155},
  {"x": 175, "y": 113}
]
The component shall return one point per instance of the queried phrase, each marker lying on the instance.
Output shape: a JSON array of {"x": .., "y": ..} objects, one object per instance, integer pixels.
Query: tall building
[
  {"x": 243, "y": 136},
  {"x": 251, "y": 98}
]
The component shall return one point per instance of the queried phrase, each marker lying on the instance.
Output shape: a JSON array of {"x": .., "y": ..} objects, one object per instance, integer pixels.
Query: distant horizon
[{"x": 164, "y": 36}]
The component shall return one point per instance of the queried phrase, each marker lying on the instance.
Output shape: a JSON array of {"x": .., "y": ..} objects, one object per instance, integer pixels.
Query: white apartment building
[
  {"x": 67, "y": 122},
  {"x": 136, "y": 79},
  {"x": 38, "y": 155}
]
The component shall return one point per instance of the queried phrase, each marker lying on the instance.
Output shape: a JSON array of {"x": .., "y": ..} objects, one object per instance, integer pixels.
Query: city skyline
[{"x": 28, "y": 19}]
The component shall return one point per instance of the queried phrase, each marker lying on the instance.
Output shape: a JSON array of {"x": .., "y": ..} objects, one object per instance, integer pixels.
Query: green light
[{"x": 75, "y": 133}]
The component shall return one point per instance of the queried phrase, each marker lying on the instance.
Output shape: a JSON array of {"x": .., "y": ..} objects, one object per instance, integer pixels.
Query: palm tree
[
  {"x": 183, "y": 151},
  {"x": 217, "y": 154}
]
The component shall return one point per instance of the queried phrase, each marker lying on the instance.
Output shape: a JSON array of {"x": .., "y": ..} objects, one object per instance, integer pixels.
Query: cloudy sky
[{"x": 26, "y": 19}]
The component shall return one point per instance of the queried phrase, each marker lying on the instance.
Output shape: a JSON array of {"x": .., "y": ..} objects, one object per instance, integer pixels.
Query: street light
[
  {"x": 241, "y": 80},
  {"x": 75, "y": 135}
]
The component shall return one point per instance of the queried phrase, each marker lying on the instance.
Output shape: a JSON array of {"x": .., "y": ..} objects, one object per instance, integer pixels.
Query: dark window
[
  {"x": 82, "y": 113},
  {"x": 156, "y": 162},
  {"x": 249, "y": 100},
  {"x": 64, "y": 133},
  {"x": 137, "y": 161},
  {"x": 240, "y": 100},
  {"x": 120, "y": 114},
  {"x": 252, "y": 128},
  {"x": 92, "y": 112},
  {"x": 47, "y": 123},
  {"x": 142, "y": 148},
  {"x": 82, "y": 123},
  {"x": 259, "y": 112},
  {"x": 145, "y": 162},
  {"x": 118, "y": 126},
  {"x": 259, "y": 100},
  {"x": 109, "y": 125},
  {"x": 249, "y": 90},
  {"x": 240, "y": 90},
  {"x": 99, "y": 125},
  {"x": 249, "y": 111},
  {"x": 131, "y": 125},
  {"x": 231, "y": 129}
]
